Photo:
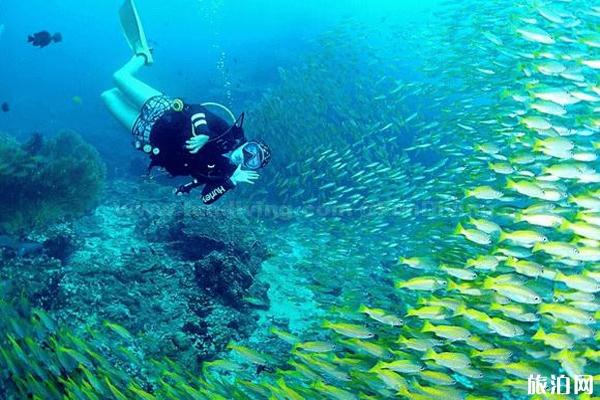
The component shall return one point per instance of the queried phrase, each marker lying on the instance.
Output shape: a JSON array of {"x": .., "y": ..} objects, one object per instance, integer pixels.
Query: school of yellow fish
[
  {"x": 518, "y": 298},
  {"x": 468, "y": 311}
]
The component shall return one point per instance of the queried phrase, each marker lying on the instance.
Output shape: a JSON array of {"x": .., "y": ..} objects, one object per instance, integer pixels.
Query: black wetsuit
[{"x": 209, "y": 167}]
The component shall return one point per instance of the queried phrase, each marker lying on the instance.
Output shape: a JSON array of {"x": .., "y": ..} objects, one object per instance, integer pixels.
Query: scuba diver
[{"x": 184, "y": 139}]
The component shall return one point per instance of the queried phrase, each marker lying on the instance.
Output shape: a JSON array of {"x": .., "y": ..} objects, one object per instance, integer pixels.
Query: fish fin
[{"x": 459, "y": 229}]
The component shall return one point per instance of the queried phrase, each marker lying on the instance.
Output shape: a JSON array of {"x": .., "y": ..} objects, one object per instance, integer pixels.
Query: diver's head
[{"x": 252, "y": 155}]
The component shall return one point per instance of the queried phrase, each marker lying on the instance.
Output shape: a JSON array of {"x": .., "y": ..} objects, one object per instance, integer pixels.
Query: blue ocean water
[{"x": 200, "y": 47}]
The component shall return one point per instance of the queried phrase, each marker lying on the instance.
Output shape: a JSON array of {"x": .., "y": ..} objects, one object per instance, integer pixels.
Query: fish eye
[
  {"x": 536, "y": 298},
  {"x": 421, "y": 368},
  {"x": 575, "y": 251},
  {"x": 544, "y": 239}
]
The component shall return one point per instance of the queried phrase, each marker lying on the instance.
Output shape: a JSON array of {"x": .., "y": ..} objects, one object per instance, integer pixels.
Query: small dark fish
[
  {"x": 44, "y": 38},
  {"x": 5, "y": 107}
]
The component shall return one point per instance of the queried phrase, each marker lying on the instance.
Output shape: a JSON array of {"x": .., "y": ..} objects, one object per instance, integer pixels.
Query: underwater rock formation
[
  {"x": 46, "y": 181},
  {"x": 222, "y": 254},
  {"x": 181, "y": 275}
]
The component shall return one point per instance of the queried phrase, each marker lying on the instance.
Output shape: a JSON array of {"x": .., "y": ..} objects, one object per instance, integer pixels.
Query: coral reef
[
  {"x": 180, "y": 274},
  {"x": 45, "y": 181},
  {"x": 37, "y": 277}
]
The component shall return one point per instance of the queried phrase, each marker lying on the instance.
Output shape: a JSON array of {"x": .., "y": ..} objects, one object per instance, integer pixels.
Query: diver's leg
[
  {"x": 136, "y": 91},
  {"x": 120, "y": 108}
]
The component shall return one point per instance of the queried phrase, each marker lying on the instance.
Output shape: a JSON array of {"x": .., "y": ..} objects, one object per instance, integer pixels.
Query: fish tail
[
  {"x": 30, "y": 39},
  {"x": 540, "y": 334},
  {"x": 452, "y": 285},
  {"x": 505, "y": 93},
  {"x": 488, "y": 283},
  {"x": 503, "y": 236},
  {"x": 565, "y": 225},
  {"x": 427, "y": 327},
  {"x": 460, "y": 310},
  {"x": 422, "y": 301},
  {"x": 429, "y": 355},
  {"x": 459, "y": 229},
  {"x": 559, "y": 276}
]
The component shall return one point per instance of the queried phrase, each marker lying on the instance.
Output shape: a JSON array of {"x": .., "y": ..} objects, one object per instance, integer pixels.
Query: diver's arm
[
  {"x": 204, "y": 125},
  {"x": 214, "y": 191},
  {"x": 199, "y": 122},
  {"x": 205, "y": 122}
]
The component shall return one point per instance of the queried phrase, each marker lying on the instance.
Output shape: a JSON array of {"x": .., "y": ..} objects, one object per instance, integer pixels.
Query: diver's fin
[{"x": 134, "y": 32}]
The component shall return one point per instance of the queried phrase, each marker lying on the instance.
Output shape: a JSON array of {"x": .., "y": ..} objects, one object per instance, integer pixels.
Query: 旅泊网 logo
[{"x": 560, "y": 384}]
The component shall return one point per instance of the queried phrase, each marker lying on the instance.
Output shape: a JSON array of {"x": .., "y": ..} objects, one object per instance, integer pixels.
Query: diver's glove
[
  {"x": 195, "y": 144},
  {"x": 186, "y": 189},
  {"x": 242, "y": 176},
  {"x": 183, "y": 189}
]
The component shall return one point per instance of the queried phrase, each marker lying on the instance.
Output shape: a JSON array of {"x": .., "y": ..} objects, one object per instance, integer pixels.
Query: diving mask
[{"x": 256, "y": 155}]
